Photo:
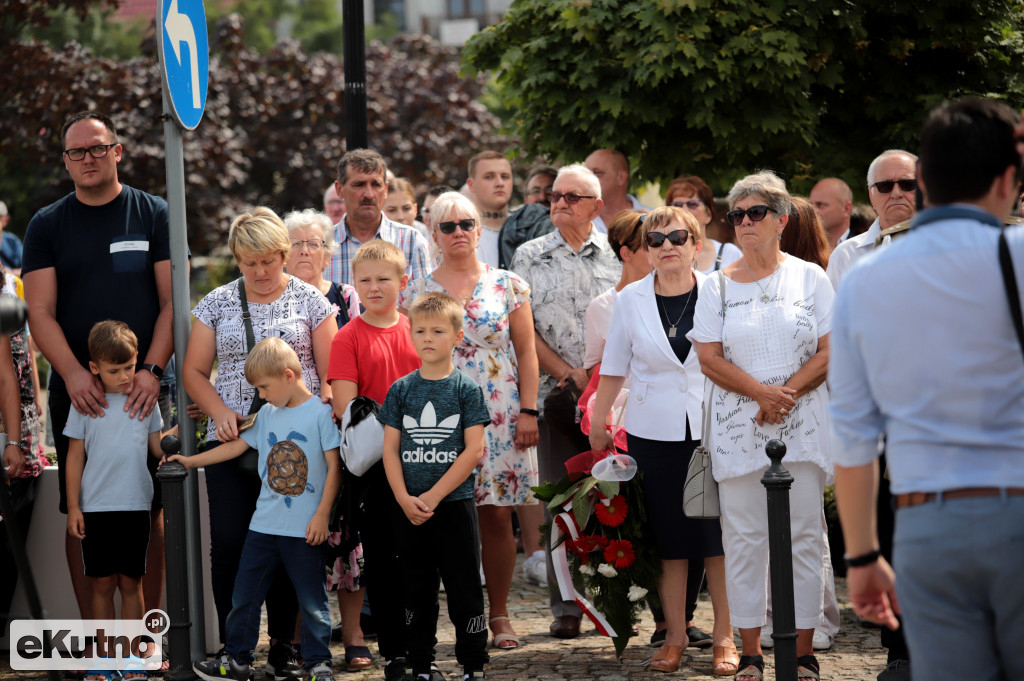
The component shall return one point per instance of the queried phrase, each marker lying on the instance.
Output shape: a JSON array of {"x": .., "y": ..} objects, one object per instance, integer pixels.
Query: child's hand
[
  {"x": 183, "y": 460},
  {"x": 316, "y": 530},
  {"x": 416, "y": 510},
  {"x": 76, "y": 524}
]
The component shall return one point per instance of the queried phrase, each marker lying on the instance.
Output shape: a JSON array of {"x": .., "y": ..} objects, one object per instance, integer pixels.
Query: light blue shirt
[
  {"x": 291, "y": 442},
  {"x": 924, "y": 351}
]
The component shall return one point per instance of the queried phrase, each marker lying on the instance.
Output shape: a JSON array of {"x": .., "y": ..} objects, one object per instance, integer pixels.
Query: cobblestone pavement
[{"x": 856, "y": 655}]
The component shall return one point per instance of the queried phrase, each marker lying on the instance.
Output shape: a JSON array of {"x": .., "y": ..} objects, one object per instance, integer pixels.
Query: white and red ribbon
[{"x": 565, "y": 524}]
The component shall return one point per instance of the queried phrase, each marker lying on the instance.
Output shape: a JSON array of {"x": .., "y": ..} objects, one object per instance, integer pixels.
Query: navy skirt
[{"x": 663, "y": 465}]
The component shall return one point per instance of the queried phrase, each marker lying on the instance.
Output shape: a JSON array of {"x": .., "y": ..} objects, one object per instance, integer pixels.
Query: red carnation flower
[
  {"x": 620, "y": 553},
  {"x": 613, "y": 513}
]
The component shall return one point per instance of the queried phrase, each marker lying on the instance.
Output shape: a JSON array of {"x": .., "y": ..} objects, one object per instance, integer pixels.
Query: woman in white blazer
[{"x": 647, "y": 343}]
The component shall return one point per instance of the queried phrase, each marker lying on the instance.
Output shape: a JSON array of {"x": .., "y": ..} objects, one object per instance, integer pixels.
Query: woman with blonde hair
[{"x": 276, "y": 304}]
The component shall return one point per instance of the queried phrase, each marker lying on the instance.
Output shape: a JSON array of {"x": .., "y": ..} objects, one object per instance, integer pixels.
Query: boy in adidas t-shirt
[{"x": 433, "y": 439}]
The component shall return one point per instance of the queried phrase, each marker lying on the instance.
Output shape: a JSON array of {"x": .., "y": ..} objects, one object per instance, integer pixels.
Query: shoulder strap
[
  {"x": 1010, "y": 282},
  {"x": 718, "y": 258},
  {"x": 250, "y": 340},
  {"x": 721, "y": 285}
]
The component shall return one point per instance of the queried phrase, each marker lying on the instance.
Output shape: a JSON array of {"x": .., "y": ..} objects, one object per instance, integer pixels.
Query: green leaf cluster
[{"x": 721, "y": 88}]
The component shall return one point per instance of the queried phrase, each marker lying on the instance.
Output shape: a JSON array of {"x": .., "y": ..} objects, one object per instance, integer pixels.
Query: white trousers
[{"x": 744, "y": 508}]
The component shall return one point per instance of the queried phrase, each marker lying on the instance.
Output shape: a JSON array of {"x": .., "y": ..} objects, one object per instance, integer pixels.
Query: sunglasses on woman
[
  {"x": 756, "y": 214},
  {"x": 447, "y": 227},
  {"x": 690, "y": 205},
  {"x": 885, "y": 186},
  {"x": 676, "y": 237}
]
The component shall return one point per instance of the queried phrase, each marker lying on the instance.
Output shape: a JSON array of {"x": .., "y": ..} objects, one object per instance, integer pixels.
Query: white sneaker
[
  {"x": 822, "y": 641},
  {"x": 535, "y": 568},
  {"x": 766, "y": 636}
]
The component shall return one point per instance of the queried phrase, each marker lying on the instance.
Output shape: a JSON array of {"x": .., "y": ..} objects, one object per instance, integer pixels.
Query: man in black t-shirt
[{"x": 101, "y": 252}]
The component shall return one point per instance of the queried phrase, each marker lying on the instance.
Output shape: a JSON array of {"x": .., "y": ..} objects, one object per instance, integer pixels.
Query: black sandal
[
  {"x": 751, "y": 665},
  {"x": 807, "y": 668}
]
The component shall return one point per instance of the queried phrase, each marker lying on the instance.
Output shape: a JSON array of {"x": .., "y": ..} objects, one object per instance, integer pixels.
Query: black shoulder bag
[
  {"x": 249, "y": 461},
  {"x": 1010, "y": 282}
]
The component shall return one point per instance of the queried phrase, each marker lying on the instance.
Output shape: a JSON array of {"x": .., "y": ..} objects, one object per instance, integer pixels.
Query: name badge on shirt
[{"x": 129, "y": 252}]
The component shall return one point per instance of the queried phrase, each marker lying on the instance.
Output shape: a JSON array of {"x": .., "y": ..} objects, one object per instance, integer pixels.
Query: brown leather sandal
[
  {"x": 725, "y": 661},
  {"x": 667, "y": 659}
]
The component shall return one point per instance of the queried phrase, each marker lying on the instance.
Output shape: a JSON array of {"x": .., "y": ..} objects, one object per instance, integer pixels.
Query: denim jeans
[
  {"x": 263, "y": 556},
  {"x": 957, "y": 565}
]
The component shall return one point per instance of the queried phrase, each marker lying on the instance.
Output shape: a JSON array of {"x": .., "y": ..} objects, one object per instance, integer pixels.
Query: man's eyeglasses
[
  {"x": 448, "y": 227},
  {"x": 570, "y": 198},
  {"x": 313, "y": 245},
  {"x": 690, "y": 205},
  {"x": 756, "y": 214},
  {"x": 98, "y": 151},
  {"x": 885, "y": 186},
  {"x": 676, "y": 237},
  {"x": 537, "y": 191}
]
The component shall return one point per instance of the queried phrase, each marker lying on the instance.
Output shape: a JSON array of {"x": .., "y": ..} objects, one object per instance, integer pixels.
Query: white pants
[{"x": 744, "y": 508}]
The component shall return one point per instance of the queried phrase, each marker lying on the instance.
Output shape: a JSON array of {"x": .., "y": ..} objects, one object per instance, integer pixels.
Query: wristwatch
[
  {"x": 20, "y": 444},
  {"x": 863, "y": 559},
  {"x": 153, "y": 369}
]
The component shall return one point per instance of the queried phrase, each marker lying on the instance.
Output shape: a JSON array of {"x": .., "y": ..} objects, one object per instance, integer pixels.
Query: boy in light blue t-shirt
[
  {"x": 298, "y": 447},
  {"x": 433, "y": 439}
]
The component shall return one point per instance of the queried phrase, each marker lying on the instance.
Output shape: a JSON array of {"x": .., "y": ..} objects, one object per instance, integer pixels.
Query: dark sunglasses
[
  {"x": 571, "y": 199},
  {"x": 691, "y": 205},
  {"x": 676, "y": 237},
  {"x": 756, "y": 214},
  {"x": 467, "y": 225},
  {"x": 885, "y": 186}
]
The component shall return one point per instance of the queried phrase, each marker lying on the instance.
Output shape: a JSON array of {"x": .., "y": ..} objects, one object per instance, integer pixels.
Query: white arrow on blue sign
[{"x": 185, "y": 58}]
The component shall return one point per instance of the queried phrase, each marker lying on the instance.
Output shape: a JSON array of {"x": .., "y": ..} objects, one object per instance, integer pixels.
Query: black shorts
[{"x": 115, "y": 543}]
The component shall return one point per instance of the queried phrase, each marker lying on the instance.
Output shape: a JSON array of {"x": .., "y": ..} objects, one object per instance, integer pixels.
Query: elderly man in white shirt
[{"x": 891, "y": 186}]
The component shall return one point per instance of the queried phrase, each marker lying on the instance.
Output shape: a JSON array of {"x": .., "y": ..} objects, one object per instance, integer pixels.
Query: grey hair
[
  {"x": 450, "y": 202},
  {"x": 766, "y": 185},
  {"x": 590, "y": 182},
  {"x": 297, "y": 219},
  {"x": 873, "y": 168}
]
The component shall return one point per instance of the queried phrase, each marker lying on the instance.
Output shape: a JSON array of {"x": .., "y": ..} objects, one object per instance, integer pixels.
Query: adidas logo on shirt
[{"x": 429, "y": 432}]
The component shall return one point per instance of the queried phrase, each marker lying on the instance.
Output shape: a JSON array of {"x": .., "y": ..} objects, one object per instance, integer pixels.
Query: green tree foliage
[
  {"x": 273, "y": 129},
  {"x": 723, "y": 87}
]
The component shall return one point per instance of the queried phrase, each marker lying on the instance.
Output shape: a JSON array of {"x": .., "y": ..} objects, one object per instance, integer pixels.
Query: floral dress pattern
[
  {"x": 506, "y": 474},
  {"x": 24, "y": 365}
]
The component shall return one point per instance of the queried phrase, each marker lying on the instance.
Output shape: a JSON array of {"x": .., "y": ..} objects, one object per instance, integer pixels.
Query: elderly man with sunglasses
[
  {"x": 892, "y": 184},
  {"x": 565, "y": 269}
]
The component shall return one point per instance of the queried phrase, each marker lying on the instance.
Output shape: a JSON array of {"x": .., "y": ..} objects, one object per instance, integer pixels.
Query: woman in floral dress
[{"x": 498, "y": 352}]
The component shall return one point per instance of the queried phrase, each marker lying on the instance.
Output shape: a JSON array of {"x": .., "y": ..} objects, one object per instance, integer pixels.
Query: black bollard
[
  {"x": 172, "y": 481},
  {"x": 777, "y": 481}
]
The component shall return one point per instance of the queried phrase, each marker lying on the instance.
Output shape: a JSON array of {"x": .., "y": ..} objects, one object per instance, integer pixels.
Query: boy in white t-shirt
[
  {"x": 298, "y": 447},
  {"x": 109, "y": 496}
]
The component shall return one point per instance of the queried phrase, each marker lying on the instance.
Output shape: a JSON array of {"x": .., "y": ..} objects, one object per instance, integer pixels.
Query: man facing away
[{"x": 935, "y": 366}]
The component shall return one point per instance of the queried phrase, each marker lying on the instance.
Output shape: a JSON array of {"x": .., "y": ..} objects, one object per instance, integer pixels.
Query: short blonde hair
[
  {"x": 450, "y": 202},
  {"x": 663, "y": 215},
  {"x": 379, "y": 250},
  {"x": 259, "y": 232},
  {"x": 269, "y": 358},
  {"x": 437, "y": 304}
]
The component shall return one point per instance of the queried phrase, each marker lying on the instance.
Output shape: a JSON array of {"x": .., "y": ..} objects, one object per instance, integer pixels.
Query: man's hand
[
  {"x": 142, "y": 395},
  {"x": 416, "y": 510},
  {"x": 873, "y": 594},
  {"x": 86, "y": 393}
]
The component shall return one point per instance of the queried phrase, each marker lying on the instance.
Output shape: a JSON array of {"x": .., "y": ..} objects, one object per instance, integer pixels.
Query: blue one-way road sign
[{"x": 185, "y": 58}]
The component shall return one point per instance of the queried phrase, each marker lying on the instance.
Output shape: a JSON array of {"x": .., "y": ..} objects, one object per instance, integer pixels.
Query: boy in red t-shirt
[{"x": 369, "y": 354}]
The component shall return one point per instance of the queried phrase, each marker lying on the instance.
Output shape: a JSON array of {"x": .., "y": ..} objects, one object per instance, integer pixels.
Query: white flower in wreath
[
  {"x": 636, "y": 593},
  {"x": 588, "y": 570},
  {"x": 607, "y": 570}
]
